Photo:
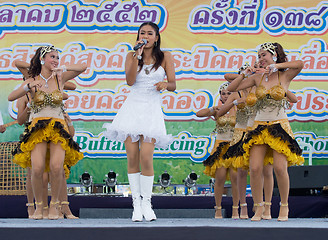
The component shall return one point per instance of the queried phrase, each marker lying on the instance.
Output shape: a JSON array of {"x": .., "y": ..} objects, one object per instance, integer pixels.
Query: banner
[{"x": 207, "y": 40}]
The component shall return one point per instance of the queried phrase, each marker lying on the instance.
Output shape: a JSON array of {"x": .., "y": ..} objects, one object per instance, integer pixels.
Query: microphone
[{"x": 139, "y": 45}]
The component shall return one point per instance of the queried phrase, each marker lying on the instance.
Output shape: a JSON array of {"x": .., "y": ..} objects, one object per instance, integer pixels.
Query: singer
[{"x": 140, "y": 122}]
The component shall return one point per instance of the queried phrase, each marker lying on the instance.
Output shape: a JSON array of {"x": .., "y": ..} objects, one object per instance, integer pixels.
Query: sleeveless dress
[
  {"x": 47, "y": 124},
  {"x": 141, "y": 113},
  {"x": 271, "y": 127}
]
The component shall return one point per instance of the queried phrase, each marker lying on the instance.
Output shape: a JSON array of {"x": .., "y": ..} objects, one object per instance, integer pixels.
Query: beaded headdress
[
  {"x": 268, "y": 46},
  {"x": 47, "y": 49},
  {"x": 244, "y": 67},
  {"x": 223, "y": 86}
]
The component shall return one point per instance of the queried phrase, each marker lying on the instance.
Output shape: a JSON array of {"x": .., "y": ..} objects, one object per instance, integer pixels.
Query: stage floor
[{"x": 165, "y": 228}]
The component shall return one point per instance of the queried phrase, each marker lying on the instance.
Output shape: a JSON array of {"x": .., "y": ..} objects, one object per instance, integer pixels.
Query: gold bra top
[
  {"x": 226, "y": 121},
  {"x": 277, "y": 92},
  {"x": 43, "y": 98}
]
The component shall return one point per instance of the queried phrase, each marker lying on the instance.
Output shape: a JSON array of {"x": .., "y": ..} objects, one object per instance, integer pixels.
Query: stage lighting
[
  {"x": 111, "y": 180},
  {"x": 86, "y": 180},
  {"x": 165, "y": 180},
  {"x": 191, "y": 180}
]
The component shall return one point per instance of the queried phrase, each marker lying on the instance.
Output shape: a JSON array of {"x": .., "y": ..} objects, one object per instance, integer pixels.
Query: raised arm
[
  {"x": 230, "y": 76},
  {"x": 25, "y": 87},
  {"x": 232, "y": 100},
  {"x": 22, "y": 67},
  {"x": 293, "y": 68},
  {"x": 22, "y": 110},
  {"x": 241, "y": 83},
  {"x": 291, "y": 97},
  {"x": 206, "y": 112},
  {"x": 131, "y": 68}
]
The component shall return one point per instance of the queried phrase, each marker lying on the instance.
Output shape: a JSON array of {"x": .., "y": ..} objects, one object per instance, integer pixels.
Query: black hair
[{"x": 157, "y": 52}]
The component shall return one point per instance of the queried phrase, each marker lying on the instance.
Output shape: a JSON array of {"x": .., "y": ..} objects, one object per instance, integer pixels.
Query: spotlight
[
  {"x": 191, "y": 180},
  {"x": 111, "y": 181},
  {"x": 165, "y": 180},
  {"x": 86, "y": 181}
]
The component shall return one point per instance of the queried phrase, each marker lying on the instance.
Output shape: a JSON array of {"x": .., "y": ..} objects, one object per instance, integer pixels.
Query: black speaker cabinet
[{"x": 306, "y": 180}]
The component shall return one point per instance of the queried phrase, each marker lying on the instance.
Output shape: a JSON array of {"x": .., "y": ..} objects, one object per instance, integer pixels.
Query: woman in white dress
[{"x": 140, "y": 121}]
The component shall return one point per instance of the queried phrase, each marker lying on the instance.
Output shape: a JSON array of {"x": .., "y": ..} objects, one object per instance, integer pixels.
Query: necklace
[
  {"x": 46, "y": 79},
  {"x": 147, "y": 69}
]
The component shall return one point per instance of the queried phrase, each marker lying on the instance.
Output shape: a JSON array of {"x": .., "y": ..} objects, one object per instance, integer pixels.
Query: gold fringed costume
[
  {"x": 47, "y": 125},
  {"x": 47, "y": 130},
  {"x": 215, "y": 160},
  {"x": 271, "y": 127},
  {"x": 224, "y": 129},
  {"x": 278, "y": 136}
]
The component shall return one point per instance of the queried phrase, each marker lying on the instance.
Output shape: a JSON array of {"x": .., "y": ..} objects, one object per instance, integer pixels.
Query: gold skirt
[
  {"x": 278, "y": 136},
  {"x": 215, "y": 160},
  {"x": 47, "y": 130}
]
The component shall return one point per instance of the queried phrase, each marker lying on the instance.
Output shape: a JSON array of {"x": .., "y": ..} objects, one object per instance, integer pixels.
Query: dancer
[
  {"x": 246, "y": 119},
  {"x": 215, "y": 166},
  {"x": 272, "y": 131},
  {"x": 23, "y": 114},
  {"x": 140, "y": 122},
  {"x": 48, "y": 125}
]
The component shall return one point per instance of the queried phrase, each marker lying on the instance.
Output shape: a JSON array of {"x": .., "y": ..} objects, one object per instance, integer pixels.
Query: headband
[
  {"x": 268, "y": 46},
  {"x": 223, "y": 86},
  {"x": 47, "y": 49}
]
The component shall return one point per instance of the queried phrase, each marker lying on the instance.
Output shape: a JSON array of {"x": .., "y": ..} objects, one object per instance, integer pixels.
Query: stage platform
[
  {"x": 163, "y": 229},
  {"x": 299, "y": 206}
]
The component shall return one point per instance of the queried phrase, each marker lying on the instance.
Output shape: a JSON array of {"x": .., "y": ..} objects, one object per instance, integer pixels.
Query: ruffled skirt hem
[
  {"x": 161, "y": 141},
  {"x": 47, "y": 130},
  {"x": 277, "y": 139},
  {"x": 215, "y": 160}
]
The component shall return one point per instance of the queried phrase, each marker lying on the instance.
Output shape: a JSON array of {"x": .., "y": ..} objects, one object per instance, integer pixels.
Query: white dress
[{"x": 141, "y": 113}]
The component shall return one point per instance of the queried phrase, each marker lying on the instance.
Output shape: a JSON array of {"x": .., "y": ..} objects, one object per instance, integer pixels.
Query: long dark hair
[
  {"x": 281, "y": 55},
  {"x": 35, "y": 64},
  {"x": 157, "y": 52}
]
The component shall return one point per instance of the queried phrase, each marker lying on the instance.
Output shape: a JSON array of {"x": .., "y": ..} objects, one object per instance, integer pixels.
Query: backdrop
[{"x": 206, "y": 38}]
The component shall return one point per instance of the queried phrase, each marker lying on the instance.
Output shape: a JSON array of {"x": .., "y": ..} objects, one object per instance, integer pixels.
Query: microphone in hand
[{"x": 139, "y": 45}]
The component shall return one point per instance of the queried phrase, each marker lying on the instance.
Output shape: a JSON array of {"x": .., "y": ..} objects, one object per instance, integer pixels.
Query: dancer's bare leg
[
  {"x": 45, "y": 195},
  {"x": 220, "y": 178},
  {"x": 242, "y": 184},
  {"x": 38, "y": 155},
  {"x": 57, "y": 156},
  {"x": 280, "y": 169},
  {"x": 268, "y": 190},
  {"x": 65, "y": 210},
  {"x": 256, "y": 159},
  {"x": 235, "y": 195},
  {"x": 29, "y": 194}
]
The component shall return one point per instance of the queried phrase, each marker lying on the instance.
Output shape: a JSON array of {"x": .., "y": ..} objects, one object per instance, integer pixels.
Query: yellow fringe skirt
[
  {"x": 215, "y": 160},
  {"x": 47, "y": 130},
  {"x": 278, "y": 136}
]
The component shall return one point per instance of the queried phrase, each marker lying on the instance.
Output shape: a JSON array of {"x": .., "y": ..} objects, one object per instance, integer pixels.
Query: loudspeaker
[{"x": 306, "y": 180}]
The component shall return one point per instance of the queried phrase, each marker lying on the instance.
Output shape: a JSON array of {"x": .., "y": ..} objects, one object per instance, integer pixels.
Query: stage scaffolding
[{"x": 12, "y": 176}]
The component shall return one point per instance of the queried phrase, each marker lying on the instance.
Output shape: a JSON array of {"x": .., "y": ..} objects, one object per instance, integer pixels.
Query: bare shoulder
[{"x": 167, "y": 55}]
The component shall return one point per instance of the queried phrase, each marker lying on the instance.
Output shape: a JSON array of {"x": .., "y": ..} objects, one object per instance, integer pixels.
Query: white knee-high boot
[
  {"x": 134, "y": 181},
  {"x": 146, "y": 189}
]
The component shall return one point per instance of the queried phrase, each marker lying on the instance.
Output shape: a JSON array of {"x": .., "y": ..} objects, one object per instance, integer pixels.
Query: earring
[
  {"x": 274, "y": 58},
  {"x": 42, "y": 62},
  {"x": 155, "y": 44}
]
